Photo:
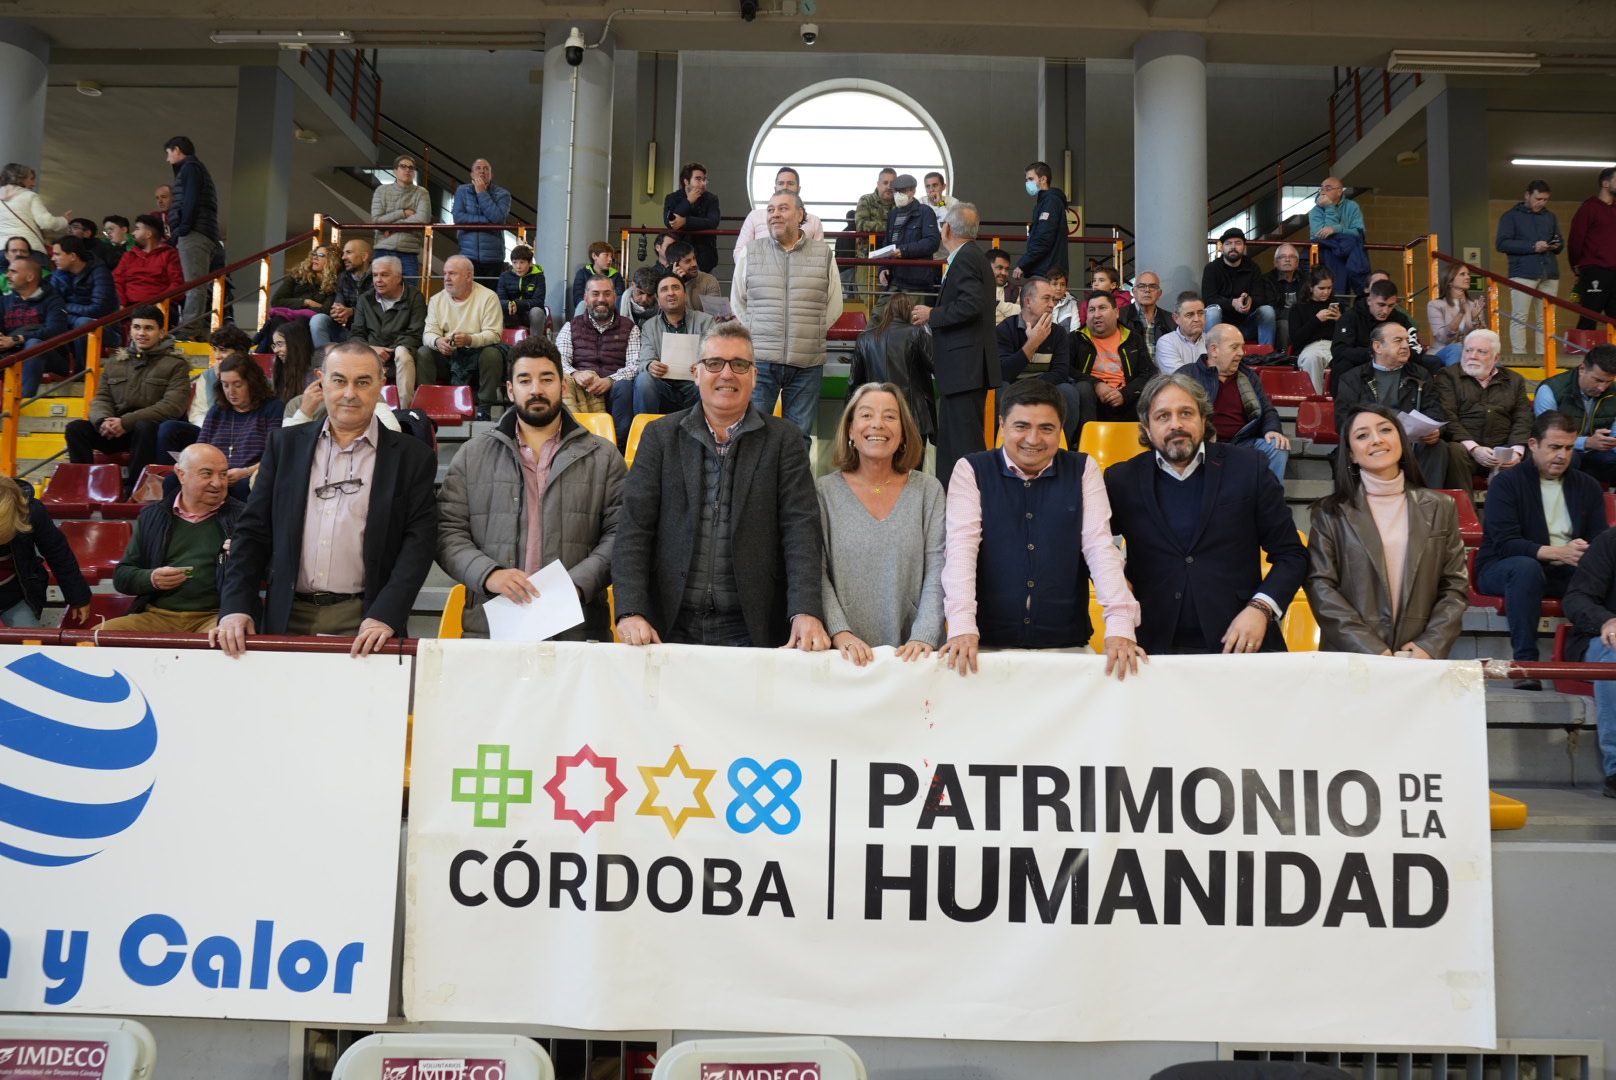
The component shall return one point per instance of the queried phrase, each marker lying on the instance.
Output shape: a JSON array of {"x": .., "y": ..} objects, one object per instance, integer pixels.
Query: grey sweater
[
  {"x": 884, "y": 579},
  {"x": 387, "y": 205}
]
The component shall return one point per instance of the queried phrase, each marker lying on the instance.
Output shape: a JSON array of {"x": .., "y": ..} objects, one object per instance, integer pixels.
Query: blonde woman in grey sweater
[{"x": 883, "y": 524}]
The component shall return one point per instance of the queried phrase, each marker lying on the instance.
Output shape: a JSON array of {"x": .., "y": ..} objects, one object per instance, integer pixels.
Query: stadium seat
[
  {"x": 990, "y": 420},
  {"x": 1580, "y": 341},
  {"x": 1315, "y": 421},
  {"x": 1476, "y": 598},
  {"x": 1562, "y": 639},
  {"x": 514, "y": 335},
  {"x": 150, "y": 479},
  {"x": 103, "y": 606},
  {"x": 267, "y": 362},
  {"x": 1109, "y": 443},
  {"x": 1253, "y": 351},
  {"x": 848, "y": 326},
  {"x": 1469, "y": 523},
  {"x": 636, "y": 431},
  {"x": 75, "y": 490},
  {"x": 827, "y": 1057},
  {"x": 518, "y": 1058},
  {"x": 1096, "y": 623},
  {"x": 598, "y": 423},
  {"x": 1505, "y": 812},
  {"x": 446, "y": 406},
  {"x": 1610, "y": 506},
  {"x": 114, "y": 457},
  {"x": 611, "y": 612},
  {"x": 1300, "y": 626},
  {"x": 1286, "y": 386},
  {"x": 390, "y": 396},
  {"x": 97, "y": 545},
  {"x": 450, "y": 622}
]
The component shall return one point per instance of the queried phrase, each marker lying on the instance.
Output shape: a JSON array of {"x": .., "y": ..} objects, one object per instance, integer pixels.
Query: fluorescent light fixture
[
  {"x": 1561, "y": 163},
  {"x": 294, "y": 39},
  {"x": 1459, "y": 62}
]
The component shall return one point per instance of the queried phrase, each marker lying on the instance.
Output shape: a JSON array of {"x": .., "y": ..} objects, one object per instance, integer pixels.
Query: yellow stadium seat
[
  {"x": 1109, "y": 443},
  {"x": 636, "y": 431},
  {"x": 597, "y": 423},
  {"x": 1507, "y": 813},
  {"x": 611, "y": 611},
  {"x": 1263, "y": 557},
  {"x": 1096, "y": 622},
  {"x": 1299, "y": 626},
  {"x": 778, "y": 399},
  {"x": 990, "y": 419},
  {"x": 454, "y": 610}
]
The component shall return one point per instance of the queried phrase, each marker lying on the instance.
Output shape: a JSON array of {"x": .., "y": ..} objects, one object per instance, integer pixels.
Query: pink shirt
[
  {"x": 964, "y": 516},
  {"x": 333, "y": 557},
  {"x": 535, "y": 478}
]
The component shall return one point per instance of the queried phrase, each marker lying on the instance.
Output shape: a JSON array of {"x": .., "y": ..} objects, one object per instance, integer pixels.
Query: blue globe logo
[{"x": 76, "y": 760}]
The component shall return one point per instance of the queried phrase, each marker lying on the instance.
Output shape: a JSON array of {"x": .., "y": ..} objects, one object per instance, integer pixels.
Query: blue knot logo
[
  {"x": 76, "y": 760},
  {"x": 779, "y": 780}
]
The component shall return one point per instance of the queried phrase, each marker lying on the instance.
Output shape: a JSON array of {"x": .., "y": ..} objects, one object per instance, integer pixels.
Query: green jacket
[
  {"x": 153, "y": 385},
  {"x": 403, "y": 324}
]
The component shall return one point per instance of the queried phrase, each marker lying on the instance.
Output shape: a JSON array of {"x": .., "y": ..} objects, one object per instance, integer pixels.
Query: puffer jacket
[
  {"x": 23, "y": 214},
  {"x": 788, "y": 301},
  {"x": 482, "y": 519},
  {"x": 196, "y": 201},
  {"x": 152, "y": 385}
]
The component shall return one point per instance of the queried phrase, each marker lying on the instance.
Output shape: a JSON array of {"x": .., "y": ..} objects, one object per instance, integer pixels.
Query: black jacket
[
  {"x": 1415, "y": 393},
  {"x": 401, "y": 530},
  {"x": 1306, "y": 327},
  {"x": 1243, "y": 513},
  {"x": 1351, "y": 344},
  {"x": 196, "y": 203},
  {"x": 1133, "y": 317},
  {"x": 702, "y": 214},
  {"x": 152, "y": 531},
  {"x": 963, "y": 346},
  {"x": 1137, "y": 366},
  {"x": 1516, "y": 524},
  {"x": 900, "y": 355},
  {"x": 45, "y": 544},
  {"x": 1012, "y": 339},
  {"x": 1222, "y": 284},
  {"x": 1590, "y": 599},
  {"x": 1046, "y": 235},
  {"x": 914, "y": 229}
]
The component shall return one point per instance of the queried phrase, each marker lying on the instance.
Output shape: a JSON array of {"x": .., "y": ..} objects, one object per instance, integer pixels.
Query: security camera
[
  {"x": 574, "y": 49},
  {"x": 810, "y": 33}
]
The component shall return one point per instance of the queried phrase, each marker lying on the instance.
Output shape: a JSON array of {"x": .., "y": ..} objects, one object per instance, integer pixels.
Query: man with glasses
[
  {"x": 719, "y": 542},
  {"x": 342, "y": 522},
  {"x": 1145, "y": 318},
  {"x": 401, "y": 202}
]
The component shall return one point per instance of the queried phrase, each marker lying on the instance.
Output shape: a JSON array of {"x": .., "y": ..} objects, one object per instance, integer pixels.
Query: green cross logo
[{"x": 492, "y": 786}]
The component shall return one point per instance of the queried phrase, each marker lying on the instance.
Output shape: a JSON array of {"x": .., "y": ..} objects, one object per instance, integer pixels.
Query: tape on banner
[
  {"x": 654, "y": 659},
  {"x": 546, "y": 657}
]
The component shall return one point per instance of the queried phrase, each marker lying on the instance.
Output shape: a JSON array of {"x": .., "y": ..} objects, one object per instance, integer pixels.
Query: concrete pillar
[
  {"x": 260, "y": 171},
  {"x": 1456, "y": 140},
  {"x": 1169, "y": 158},
  {"x": 575, "y": 140},
  {"x": 24, "y": 60}
]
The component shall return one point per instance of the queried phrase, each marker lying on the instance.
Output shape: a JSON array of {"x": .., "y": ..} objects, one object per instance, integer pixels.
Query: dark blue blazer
[
  {"x": 1515, "y": 523},
  {"x": 1243, "y": 513}
]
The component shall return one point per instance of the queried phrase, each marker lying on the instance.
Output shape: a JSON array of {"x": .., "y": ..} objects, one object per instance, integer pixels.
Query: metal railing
[
  {"x": 1362, "y": 97},
  {"x": 1407, "y": 250},
  {"x": 452, "y": 172},
  {"x": 428, "y": 231},
  {"x": 1302, "y": 161},
  {"x": 350, "y": 78}
]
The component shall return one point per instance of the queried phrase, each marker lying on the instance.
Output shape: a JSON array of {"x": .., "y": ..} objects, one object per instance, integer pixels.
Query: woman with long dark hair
[
  {"x": 294, "y": 362},
  {"x": 1313, "y": 319},
  {"x": 1453, "y": 312},
  {"x": 244, "y": 412},
  {"x": 306, "y": 291},
  {"x": 893, "y": 351}
]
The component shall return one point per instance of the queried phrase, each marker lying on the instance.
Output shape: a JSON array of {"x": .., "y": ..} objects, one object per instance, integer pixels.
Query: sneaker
[{"x": 1530, "y": 684}]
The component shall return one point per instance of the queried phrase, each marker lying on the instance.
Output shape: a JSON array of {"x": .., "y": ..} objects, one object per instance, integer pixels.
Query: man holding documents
[
  {"x": 1489, "y": 415},
  {"x": 668, "y": 351},
  {"x": 1390, "y": 380},
  {"x": 535, "y": 489}
]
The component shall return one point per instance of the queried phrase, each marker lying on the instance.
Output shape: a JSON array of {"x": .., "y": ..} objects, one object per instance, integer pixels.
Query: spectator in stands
[
  {"x": 142, "y": 385},
  {"x": 663, "y": 242},
  {"x": 193, "y": 227},
  {"x": 693, "y": 209},
  {"x": 1035, "y": 345},
  {"x": 787, "y": 293},
  {"x": 1583, "y": 394},
  {"x": 1046, "y": 232},
  {"x": 1196, "y": 514},
  {"x": 227, "y": 341},
  {"x": 1241, "y": 411},
  {"x": 323, "y": 491},
  {"x": 719, "y": 542},
  {"x": 698, "y": 283},
  {"x": 964, "y": 348},
  {"x": 353, "y": 282},
  {"x": 403, "y": 202},
  {"x": 1233, "y": 288},
  {"x": 1393, "y": 383},
  {"x": 23, "y": 213},
  {"x": 874, "y": 207},
  {"x": 883, "y": 522},
  {"x": 150, "y": 268},
  {"x": 1386, "y": 567},
  {"x": 116, "y": 241},
  {"x": 658, "y": 388},
  {"x": 1065, "y": 309},
  {"x": 1350, "y": 347},
  {"x": 307, "y": 290},
  {"x": 1109, "y": 366},
  {"x": 1006, "y": 296},
  {"x": 390, "y": 317},
  {"x": 482, "y": 202},
  {"x": 31, "y": 313},
  {"x": 521, "y": 293},
  {"x": 1104, "y": 279},
  {"x": 84, "y": 283},
  {"x": 756, "y": 224},
  {"x": 172, "y": 564},
  {"x": 295, "y": 363},
  {"x": 309, "y": 407},
  {"x": 17, "y": 248},
  {"x": 1336, "y": 224},
  {"x": 1541, "y": 517},
  {"x": 239, "y": 424},
  {"x": 1592, "y": 249},
  {"x": 1012, "y": 516},
  {"x": 163, "y": 200},
  {"x": 100, "y": 251},
  {"x": 937, "y": 196},
  {"x": 1454, "y": 314},
  {"x": 29, "y": 540},
  {"x": 600, "y": 357},
  {"x": 1145, "y": 318},
  {"x": 1284, "y": 287},
  {"x": 1312, "y": 324},
  {"x": 1529, "y": 234},
  {"x": 896, "y": 352},
  {"x": 602, "y": 257},
  {"x": 640, "y": 302},
  {"x": 912, "y": 229},
  {"x": 1590, "y": 605},
  {"x": 1487, "y": 409},
  {"x": 535, "y": 488},
  {"x": 1186, "y": 345},
  {"x": 460, "y": 341}
]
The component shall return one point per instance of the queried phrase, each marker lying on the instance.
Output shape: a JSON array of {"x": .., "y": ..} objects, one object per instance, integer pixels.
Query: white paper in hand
[
  {"x": 680, "y": 352},
  {"x": 884, "y": 252},
  {"x": 1416, "y": 425},
  {"x": 556, "y": 609}
]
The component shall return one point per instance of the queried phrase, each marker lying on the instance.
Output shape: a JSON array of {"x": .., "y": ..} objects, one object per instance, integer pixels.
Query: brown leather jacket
[{"x": 1346, "y": 579}]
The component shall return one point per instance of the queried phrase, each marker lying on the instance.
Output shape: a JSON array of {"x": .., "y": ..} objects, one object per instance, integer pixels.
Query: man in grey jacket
[
  {"x": 402, "y": 202},
  {"x": 536, "y": 488},
  {"x": 1529, "y": 234}
]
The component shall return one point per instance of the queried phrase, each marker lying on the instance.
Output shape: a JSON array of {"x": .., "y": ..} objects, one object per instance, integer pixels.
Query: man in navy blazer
[
  {"x": 1541, "y": 516},
  {"x": 1196, "y": 517}
]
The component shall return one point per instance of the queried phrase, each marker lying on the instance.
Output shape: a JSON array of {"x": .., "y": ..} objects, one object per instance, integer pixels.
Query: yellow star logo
[{"x": 652, "y": 807}]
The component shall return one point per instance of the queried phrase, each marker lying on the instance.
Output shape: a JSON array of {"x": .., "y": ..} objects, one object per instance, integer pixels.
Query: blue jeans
[
  {"x": 409, "y": 261},
  {"x": 19, "y": 614},
  {"x": 33, "y": 370},
  {"x": 1605, "y": 702},
  {"x": 1523, "y": 582},
  {"x": 1600, "y": 464},
  {"x": 654, "y": 395},
  {"x": 1276, "y": 457},
  {"x": 798, "y": 390},
  {"x": 1449, "y": 354},
  {"x": 326, "y": 331},
  {"x": 1258, "y": 321}
]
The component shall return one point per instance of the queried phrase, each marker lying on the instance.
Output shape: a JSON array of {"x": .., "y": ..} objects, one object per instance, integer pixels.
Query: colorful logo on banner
[
  {"x": 492, "y": 786},
  {"x": 443, "y": 1069},
  {"x": 52, "y": 1059},
  {"x": 763, "y": 1070},
  {"x": 80, "y": 763}
]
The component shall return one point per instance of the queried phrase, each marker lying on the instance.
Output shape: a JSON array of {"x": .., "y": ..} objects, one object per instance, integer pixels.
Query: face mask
[
  {"x": 1032, "y": 188},
  {"x": 902, "y": 198}
]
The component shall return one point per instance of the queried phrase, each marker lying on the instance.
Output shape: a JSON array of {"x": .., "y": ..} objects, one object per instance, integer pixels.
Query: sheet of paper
[
  {"x": 679, "y": 352},
  {"x": 1504, "y": 454},
  {"x": 556, "y": 609},
  {"x": 884, "y": 252},
  {"x": 1416, "y": 425},
  {"x": 717, "y": 306}
]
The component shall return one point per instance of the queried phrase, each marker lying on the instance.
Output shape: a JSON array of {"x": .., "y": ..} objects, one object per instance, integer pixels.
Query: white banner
[
  {"x": 182, "y": 834},
  {"x": 1271, "y": 848}
]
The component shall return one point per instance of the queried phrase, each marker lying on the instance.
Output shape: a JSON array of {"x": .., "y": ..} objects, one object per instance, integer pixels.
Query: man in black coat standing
[
  {"x": 964, "y": 348},
  {"x": 1197, "y": 516}
]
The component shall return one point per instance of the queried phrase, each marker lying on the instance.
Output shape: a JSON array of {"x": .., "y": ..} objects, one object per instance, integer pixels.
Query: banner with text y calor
[
  {"x": 1271, "y": 848},
  {"x": 183, "y": 834}
]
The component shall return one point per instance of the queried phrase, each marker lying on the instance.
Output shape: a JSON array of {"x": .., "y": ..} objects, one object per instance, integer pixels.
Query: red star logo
[{"x": 615, "y": 788}]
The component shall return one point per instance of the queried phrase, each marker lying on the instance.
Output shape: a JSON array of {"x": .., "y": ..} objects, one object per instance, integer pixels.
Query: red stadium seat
[
  {"x": 1610, "y": 506},
  {"x": 848, "y": 327},
  {"x": 267, "y": 362},
  {"x": 75, "y": 490},
  {"x": 390, "y": 396},
  {"x": 1476, "y": 598},
  {"x": 1315, "y": 420},
  {"x": 1469, "y": 523},
  {"x": 97, "y": 545},
  {"x": 447, "y": 406},
  {"x": 1581, "y": 341},
  {"x": 1257, "y": 352},
  {"x": 513, "y": 335},
  {"x": 115, "y": 457},
  {"x": 103, "y": 606},
  {"x": 150, "y": 480},
  {"x": 1562, "y": 638},
  {"x": 1286, "y": 386}
]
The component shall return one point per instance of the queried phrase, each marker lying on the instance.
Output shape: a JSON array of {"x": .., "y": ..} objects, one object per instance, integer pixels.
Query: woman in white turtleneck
[{"x": 1386, "y": 570}]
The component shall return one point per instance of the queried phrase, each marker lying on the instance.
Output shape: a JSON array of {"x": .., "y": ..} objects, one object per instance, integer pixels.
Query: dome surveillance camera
[
  {"x": 810, "y": 33},
  {"x": 574, "y": 49}
]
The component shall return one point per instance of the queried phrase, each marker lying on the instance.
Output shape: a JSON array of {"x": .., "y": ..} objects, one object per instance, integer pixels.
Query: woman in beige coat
[{"x": 1386, "y": 570}]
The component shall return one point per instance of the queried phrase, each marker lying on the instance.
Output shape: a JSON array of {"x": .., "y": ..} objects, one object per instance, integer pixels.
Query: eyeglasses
[
  {"x": 401, "y": 166},
  {"x": 1143, "y": 285},
  {"x": 715, "y": 364},
  {"x": 331, "y": 490}
]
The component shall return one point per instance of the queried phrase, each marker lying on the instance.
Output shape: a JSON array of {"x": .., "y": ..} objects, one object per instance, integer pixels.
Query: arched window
[{"x": 838, "y": 135}]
